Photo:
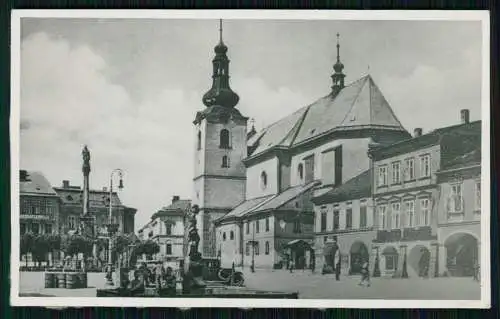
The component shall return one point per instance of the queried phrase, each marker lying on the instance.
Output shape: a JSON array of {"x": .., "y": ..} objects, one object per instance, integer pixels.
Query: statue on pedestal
[{"x": 194, "y": 265}]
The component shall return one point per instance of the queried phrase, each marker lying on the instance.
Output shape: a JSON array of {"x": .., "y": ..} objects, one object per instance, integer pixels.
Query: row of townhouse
[
  {"x": 415, "y": 212},
  {"x": 44, "y": 209}
]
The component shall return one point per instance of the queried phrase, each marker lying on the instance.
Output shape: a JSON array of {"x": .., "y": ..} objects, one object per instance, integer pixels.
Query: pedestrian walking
[
  {"x": 337, "y": 265},
  {"x": 291, "y": 265},
  {"x": 476, "y": 271},
  {"x": 365, "y": 275}
]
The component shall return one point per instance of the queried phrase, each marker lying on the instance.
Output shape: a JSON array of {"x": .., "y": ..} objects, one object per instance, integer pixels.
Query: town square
[{"x": 341, "y": 160}]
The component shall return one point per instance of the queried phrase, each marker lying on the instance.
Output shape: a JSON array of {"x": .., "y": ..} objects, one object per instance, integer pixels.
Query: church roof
[
  {"x": 356, "y": 188},
  {"x": 245, "y": 207},
  {"x": 359, "y": 105},
  {"x": 32, "y": 182},
  {"x": 286, "y": 196}
]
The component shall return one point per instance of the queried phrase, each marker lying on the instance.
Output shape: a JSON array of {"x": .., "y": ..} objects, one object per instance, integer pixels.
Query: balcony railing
[
  {"x": 407, "y": 234},
  {"x": 384, "y": 236},
  {"x": 419, "y": 233}
]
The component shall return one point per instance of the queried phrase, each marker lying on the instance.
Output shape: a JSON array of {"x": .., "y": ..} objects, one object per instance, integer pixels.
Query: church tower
[{"x": 220, "y": 147}]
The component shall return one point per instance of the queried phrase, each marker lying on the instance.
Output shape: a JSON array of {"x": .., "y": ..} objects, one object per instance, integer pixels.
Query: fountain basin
[{"x": 207, "y": 292}]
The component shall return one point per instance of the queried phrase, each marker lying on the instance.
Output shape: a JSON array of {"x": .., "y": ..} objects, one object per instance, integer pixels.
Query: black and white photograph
[{"x": 233, "y": 158}]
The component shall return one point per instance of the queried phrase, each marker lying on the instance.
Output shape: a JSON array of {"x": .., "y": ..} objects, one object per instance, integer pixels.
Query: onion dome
[{"x": 220, "y": 94}]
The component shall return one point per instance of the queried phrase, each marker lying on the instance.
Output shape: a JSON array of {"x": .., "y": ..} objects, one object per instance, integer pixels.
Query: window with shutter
[
  {"x": 396, "y": 215},
  {"x": 309, "y": 166},
  {"x": 338, "y": 165},
  {"x": 382, "y": 215},
  {"x": 362, "y": 216},
  {"x": 455, "y": 200},
  {"x": 328, "y": 167}
]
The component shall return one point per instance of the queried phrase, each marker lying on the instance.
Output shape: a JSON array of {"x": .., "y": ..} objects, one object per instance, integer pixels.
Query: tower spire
[
  {"x": 338, "y": 48},
  {"x": 220, "y": 31},
  {"x": 220, "y": 94},
  {"x": 338, "y": 76}
]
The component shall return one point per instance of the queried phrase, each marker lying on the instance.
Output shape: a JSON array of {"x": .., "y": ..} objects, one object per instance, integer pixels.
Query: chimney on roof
[
  {"x": 464, "y": 115},
  {"x": 175, "y": 198},
  {"x": 65, "y": 184},
  {"x": 417, "y": 132}
]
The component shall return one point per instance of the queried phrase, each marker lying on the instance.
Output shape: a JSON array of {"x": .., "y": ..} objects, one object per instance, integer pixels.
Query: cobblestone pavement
[
  {"x": 317, "y": 286},
  {"x": 308, "y": 285}
]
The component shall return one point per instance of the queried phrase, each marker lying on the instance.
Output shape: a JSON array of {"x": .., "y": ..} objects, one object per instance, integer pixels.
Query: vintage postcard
[{"x": 314, "y": 159}]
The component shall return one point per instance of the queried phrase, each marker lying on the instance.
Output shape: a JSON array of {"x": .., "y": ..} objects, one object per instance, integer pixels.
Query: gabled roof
[
  {"x": 178, "y": 207},
  {"x": 359, "y": 105},
  {"x": 74, "y": 196},
  {"x": 356, "y": 188},
  {"x": 35, "y": 183},
  {"x": 181, "y": 204}
]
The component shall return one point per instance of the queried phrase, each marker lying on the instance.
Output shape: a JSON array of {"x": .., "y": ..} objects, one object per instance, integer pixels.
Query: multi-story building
[
  {"x": 406, "y": 197},
  {"x": 71, "y": 209},
  {"x": 259, "y": 231},
  {"x": 39, "y": 204},
  {"x": 323, "y": 143},
  {"x": 345, "y": 215},
  {"x": 459, "y": 213},
  {"x": 166, "y": 228}
]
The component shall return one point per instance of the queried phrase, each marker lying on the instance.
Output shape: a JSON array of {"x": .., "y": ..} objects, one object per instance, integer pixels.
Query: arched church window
[
  {"x": 300, "y": 171},
  {"x": 231, "y": 235},
  {"x": 224, "y": 139},
  {"x": 225, "y": 161},
  {"x": 263, "y": 180},
  {"x": 199, "y": 140},
  {"x": 224, "y": 236}
]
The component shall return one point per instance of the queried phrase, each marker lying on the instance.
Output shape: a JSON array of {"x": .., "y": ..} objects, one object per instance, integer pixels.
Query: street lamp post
[
  {"x": 112, "y": 227},
  {"x": 252, "y": 267}
]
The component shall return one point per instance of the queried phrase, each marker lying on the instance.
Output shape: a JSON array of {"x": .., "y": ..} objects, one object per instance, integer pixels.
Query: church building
[{"x": 256, "y": 188}]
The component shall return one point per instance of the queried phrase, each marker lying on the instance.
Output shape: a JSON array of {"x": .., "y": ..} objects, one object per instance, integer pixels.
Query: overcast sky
[{"x": 129, "y": 89}]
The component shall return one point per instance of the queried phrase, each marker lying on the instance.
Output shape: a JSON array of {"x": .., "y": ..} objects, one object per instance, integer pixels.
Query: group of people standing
[{"x": 162, "y": 278}]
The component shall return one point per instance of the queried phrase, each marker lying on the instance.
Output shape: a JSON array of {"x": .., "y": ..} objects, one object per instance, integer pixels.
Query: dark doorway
[
  {"x": 359, "y": 255},
  {"x": 461, "y": 254}
]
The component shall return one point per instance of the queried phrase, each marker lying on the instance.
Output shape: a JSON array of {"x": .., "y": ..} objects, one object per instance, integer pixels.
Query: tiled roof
[
  {"x": 245, "y": 207},
  {"x": 464, "y": 135},
  {"x": 465, "y": 160},
  {"x": 74, "y": 196},
  {"x": 287, "y": 195},
  {"x": 35, "y": 183},
  {"x": 181, "y": 204},
  {"x": 358, "y": 105},
  {"x": 355, "y": 188}
]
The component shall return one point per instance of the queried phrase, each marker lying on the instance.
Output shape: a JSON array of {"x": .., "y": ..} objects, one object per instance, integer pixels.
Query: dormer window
[
  {"x": 263, "y": 180},
  {"x": 224, "y": 139},
  {"x": 300, "y": 172}
]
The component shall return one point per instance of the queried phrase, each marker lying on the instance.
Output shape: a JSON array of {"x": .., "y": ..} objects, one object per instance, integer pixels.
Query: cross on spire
[
  {"x": 338, "y": 47},
  {"x": 220, "y": 30}
]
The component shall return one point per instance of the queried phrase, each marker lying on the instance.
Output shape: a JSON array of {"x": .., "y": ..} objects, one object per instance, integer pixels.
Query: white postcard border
[{"x": 483, "y": 16}]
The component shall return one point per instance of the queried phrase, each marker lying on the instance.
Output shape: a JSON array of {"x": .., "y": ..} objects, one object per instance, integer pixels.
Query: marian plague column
[{"x": 87, "y": 220}]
